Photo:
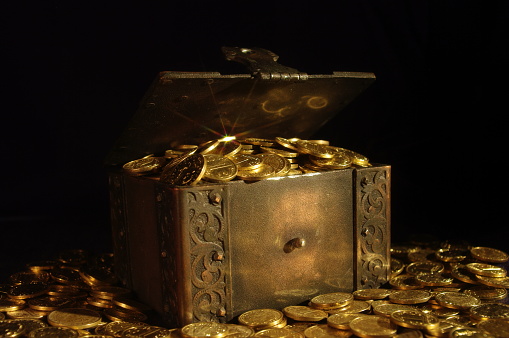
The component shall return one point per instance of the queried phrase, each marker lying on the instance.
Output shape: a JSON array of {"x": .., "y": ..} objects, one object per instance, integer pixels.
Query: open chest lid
[{"x": 272, "y": 100}]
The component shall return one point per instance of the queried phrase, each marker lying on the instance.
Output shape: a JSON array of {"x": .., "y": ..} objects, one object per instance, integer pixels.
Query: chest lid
[{"x": 272, "y": 100}]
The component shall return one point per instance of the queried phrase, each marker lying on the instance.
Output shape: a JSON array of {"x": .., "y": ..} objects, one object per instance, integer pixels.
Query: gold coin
[
  {"x": 410, "y": 296},
  {"x": 74, "y": 318},
  {"x": 373, "y": 326},
  {"x": 227, "y": 148},
  {"x": 405, "y": 282},
  {"x": 490, "y": 311},
  {"x": 29, "y": 324},
  {"x": 219, "y": 168},
  {"x": 7, "y": 305},
  {"x": 130, "y": 304},
  {"x": 207, "y": 147},
  {"x": 265, "y": 171},
  {"x": 39, "y": 266},
  {"x": 26, "y": 313},
  {"x": 204, "y": 330},
  {"x": 261, "y": 318},
  {"x": 188, "y": 171},
  {"x": 58, "y": 290},
  {"x": 121, "y": 314},
  {"x": 469, "y": 332},
  {"x": 281, "y": 152},
  {"x": 369, "y": 294},
  {"x": 460, "y": 272},
  {"x": 116, "y": 328},
  {"x": 53, "y": 332},
  {"x": 424, "y": 267},
  {"x": 325, "y": 331},
  {"x": 304, "y": 313},
  {"x": 489, "y": 255},
  {"x": 143, "y": 166},
  {"x": 27, "y": 277},
  {"x": 239, "y": 331},
  {"x": 314, "y": 149},
  {"x": 456, "y": 300},
  {"x": 451, "y": 255},
  {"x": 11, "y": 329},
  {"x": 280, "y": 164},
  {"x": 97, "y": 275},
  {"x": 48, "y": 303},
  {"x": 65, "y": 275},
  {"x": 397, "y": 267},
  {"x": 494, "y": 327},
  {"x": 109, "y": 291},
  {"x": 287, "y": 143},
  {"x": 100, "y": 303},
  {"x": 415, "y": 319},
  {"x": 331, "y": 300},
  {"x": 356, "y": 306},
  {"x": 386, "y": 309},
  {"x": 433, "y": 279},
  {"x": 341, "y": 321},
  {"x": 484, "y": 269},
  {"x": 338, "y": 161},
  {"x": 246, "y": 161},
  {"x": 497, "y": 282},
  {"x": 487, "y": 293},
  {"x": 259, "y": 141},
  {"x": 148, "y": 331},
  {"x": 278, "y": 333},
  {"x": 25, "y": 291}
]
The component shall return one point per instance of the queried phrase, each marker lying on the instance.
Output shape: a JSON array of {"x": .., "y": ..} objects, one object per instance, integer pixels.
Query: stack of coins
[
  {"x": 433, "y": 292},
  {"x": 249, "y": 159}
]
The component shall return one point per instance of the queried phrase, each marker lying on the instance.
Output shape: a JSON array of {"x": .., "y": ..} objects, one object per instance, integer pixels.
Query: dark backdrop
[{"x": 74, "y": 72}]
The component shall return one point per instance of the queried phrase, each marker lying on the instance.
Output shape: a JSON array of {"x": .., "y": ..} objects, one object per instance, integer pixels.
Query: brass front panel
[{"x": 265, "y": 216}]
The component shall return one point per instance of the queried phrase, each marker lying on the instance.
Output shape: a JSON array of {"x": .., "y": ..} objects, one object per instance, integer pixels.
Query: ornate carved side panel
[
  {"x": 208, "y": 238},
  {"x": 194, "y": 237},
  {"x": 372, "y": 226},
  {"x": 119, "y": 228}
]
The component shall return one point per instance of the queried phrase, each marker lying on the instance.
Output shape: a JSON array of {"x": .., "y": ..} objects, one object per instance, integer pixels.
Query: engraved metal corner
[{"x": 372, "y": 226}]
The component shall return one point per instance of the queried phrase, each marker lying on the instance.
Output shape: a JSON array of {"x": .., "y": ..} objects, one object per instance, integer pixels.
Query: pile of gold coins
[
  {"x": 445, "y": 290},
  {"x": 250, "y": 159}
]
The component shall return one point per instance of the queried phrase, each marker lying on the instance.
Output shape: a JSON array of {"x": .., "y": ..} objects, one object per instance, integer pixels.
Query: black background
[{"x": 74, "y": 72}]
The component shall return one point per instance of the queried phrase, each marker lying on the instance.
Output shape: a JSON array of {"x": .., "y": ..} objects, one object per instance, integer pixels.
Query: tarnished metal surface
[{"x": 213, "y": 251}]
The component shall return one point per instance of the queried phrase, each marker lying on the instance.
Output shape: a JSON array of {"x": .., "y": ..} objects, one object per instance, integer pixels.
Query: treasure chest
[{"x": 211, "y": 250}]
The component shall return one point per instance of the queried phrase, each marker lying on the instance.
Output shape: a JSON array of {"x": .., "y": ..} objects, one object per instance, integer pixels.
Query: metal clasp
[{"x": 263, "y": 64}]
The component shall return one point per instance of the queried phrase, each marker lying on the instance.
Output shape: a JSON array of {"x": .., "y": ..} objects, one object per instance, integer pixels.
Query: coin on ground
[
  {"x": 325, "y": 331},
  {"x": 490, "y": 311},
  {"x": 485, "y": 292},
  {"x": 74, "y": 318},
  {"x": 371, "y": 294},
  {"x": 489, "y": 255},
  {"x": 239, "y": 331},
  {"x": 148, "y": 331},
  {"x": 470, "y": 332},
  {"x": 373, "y": 326},
  {"x": 456, "y": 300},
  {"x": 495, "y": 327},
  {"x": 331, "y": 300},
  {"x": 341, "y": 321},
  {"x": 53, "y": 332},
  {"x": 11, "y": 329},
  {"x": 415, "y": 319},
  {"x": 261, "y": 318},
  {"x": 424, "y": 267},
  {"x": 279, "y": 333},
  {"x": 304, "y": 313},
  {"x": 405, "y": 282},
  {"x": 485, "y": 269},
  {"x": 497, "y": 282},
  {"x": 388, "y": 308},
  {"x": 204, "y": 330},
  {"x": 410, "y": 296}
]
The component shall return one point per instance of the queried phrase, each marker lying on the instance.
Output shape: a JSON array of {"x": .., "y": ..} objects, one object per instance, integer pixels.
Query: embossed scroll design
[
  {"x": 373, "y": 226},
  {"x": 207, "y": 230}
]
